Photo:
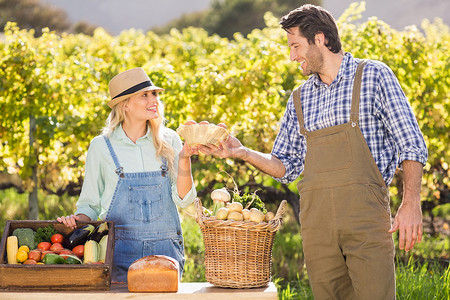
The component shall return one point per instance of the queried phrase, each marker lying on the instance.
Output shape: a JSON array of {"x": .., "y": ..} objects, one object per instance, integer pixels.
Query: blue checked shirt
[{"x": 386, "y": 119}]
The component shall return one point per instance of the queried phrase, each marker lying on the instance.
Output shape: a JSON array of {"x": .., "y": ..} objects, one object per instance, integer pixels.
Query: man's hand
[
  {"x": 231, "y": 147},
  {"x": 408, "y": 220}
]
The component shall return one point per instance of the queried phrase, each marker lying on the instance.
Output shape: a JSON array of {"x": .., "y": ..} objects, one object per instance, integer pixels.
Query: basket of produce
[
  {"x": 47, "y": 255},
  {"x": 238, "y": 240}
]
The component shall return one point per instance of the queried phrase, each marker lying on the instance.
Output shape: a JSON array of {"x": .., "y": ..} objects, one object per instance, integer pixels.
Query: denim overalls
[{"x": 145, "y": 218}]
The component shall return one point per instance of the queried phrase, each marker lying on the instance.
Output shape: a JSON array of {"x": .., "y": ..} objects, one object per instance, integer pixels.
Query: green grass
[
  {"x": 414, "y": 281},
  {"x": 422, "y": 281}
]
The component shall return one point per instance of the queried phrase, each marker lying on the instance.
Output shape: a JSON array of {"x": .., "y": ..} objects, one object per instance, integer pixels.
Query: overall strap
[
  {"x": 354, "y": 113},
  {"x": 119, "y": 169},
  {"x": 164, "y": 167},
  {"x": 298, "y": 109}
]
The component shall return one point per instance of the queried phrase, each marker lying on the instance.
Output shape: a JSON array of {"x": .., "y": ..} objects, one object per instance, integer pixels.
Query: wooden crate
[{"x": 55, "y": 277}]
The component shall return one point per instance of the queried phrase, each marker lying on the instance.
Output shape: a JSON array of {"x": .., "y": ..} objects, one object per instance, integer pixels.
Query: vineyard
[{"x": 53, "y": 95}]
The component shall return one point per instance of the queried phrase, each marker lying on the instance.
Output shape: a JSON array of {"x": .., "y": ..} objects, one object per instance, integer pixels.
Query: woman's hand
[
  {"x": 231, "y": 147},
  {"x": 187, "y": 151},
  {"x": 71, "y": 221}
]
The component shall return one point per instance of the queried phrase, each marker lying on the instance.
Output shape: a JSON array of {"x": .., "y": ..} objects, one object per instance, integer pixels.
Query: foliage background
[{"x": 53, "y": 94}]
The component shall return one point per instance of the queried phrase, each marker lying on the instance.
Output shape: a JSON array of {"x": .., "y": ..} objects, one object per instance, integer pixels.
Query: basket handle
[
  {"x": 198, "y": 211},
  {"x": 277, "y": 221}
]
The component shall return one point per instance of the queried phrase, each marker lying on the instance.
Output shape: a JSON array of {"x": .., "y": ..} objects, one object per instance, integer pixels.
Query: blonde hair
[{"x": 157, "y": 128}]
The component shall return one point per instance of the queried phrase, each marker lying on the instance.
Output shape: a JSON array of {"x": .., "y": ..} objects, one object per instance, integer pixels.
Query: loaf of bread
[{"x": 153, "y": 273}]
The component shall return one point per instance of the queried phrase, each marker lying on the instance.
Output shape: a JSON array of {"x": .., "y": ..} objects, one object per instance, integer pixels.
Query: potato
[
  {"x": 256, "y": 215},
  {"x": 235, "y": 206},
  {"x": 235, "y": 215},
  {"x": 222, "y": 213},
  {"x": 269, "y": 216},
  {"x": 246, "y": 214}
]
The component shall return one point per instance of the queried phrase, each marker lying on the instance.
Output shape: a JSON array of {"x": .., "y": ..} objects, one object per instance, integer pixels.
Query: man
[{"x": 347, "y": 133}]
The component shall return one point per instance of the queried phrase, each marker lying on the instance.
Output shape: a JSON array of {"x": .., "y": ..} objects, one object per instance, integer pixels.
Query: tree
[
  {"x": 226, "y": 17},
  {"x": 32, "y": 14},
  {"x": 42, "y": 82}
]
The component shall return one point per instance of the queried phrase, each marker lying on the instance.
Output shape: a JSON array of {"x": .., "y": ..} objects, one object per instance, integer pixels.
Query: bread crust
[{"x": 153, "y": 273}]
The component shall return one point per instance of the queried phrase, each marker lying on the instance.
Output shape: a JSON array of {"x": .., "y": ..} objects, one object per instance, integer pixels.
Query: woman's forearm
[{"x": 184, "y": 178}]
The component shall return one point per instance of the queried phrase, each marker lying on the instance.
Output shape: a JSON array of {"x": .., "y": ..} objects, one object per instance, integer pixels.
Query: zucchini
[
  {"x": 91, "y": 252},
  {"x": 12, "y": 247}
]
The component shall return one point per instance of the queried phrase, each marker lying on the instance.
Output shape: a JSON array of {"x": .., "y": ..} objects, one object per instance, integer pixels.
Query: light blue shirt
[{"x": 100, "y": 179}]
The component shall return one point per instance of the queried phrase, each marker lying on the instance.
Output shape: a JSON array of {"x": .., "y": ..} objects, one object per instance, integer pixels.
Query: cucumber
[{"x": 52, "y": 259}]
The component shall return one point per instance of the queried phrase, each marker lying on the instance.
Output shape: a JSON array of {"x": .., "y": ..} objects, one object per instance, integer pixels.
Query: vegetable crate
[
  {"x": 238, "y": 254},
  {"x": 66, "y": 277}
]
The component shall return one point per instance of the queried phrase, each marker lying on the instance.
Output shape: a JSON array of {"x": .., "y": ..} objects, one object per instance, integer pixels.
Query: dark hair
[{"x": 310, "y": 20}]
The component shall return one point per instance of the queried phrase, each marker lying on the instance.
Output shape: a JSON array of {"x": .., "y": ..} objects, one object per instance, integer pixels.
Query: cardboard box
[{"x": 55, "y": 277}]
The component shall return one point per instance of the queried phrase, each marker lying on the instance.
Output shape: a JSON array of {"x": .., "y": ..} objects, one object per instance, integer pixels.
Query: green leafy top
[
  {"x": 44, "y": 234},
  {"x": 250, "y": 201}
]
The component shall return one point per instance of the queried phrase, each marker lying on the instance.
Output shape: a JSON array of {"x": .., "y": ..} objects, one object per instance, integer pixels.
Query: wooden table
[{"x": 193, "y": 290}]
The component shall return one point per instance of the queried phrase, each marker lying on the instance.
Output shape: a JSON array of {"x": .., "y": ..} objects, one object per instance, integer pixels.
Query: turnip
[{"x": 220, "y": 195}]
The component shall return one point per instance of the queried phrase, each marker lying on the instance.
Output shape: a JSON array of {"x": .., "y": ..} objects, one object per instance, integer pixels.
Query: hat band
[{"x": 134, "y": 89}]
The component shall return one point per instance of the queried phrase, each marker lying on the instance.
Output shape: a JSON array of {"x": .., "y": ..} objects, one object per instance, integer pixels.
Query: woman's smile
[{"x": 153, "y": 108}]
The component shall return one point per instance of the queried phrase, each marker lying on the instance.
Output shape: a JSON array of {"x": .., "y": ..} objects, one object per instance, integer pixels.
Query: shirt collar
[
  {"x": 346, "y": 70},
  {"x": 120, "y": 135}
]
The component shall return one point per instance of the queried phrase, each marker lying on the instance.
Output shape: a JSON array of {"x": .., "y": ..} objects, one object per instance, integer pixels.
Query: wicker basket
[{"x": 238, "y": 254}]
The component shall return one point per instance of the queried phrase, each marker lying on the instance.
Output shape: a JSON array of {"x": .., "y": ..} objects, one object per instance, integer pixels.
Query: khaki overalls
[{"x": 344, "y": 212}]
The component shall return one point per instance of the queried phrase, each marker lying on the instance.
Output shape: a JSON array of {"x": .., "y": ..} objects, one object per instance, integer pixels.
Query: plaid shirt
[{"x": 386, "y": 119}]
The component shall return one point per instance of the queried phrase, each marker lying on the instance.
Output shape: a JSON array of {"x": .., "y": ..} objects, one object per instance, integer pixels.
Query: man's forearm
[
  {"x": 265, "y": 162},
  {"x": 412, "y": 181}
]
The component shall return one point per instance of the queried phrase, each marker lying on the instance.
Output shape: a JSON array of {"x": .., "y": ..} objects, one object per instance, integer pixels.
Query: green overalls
[{"x": 344, "y": 212}]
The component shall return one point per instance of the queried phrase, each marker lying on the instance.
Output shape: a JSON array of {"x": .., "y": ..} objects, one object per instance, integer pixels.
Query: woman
[{"x": 137, "y": 171}]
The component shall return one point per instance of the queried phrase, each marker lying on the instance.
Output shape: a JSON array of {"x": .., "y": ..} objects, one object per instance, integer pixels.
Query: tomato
[
  {"x": 57, "y": 238},
  {"x": 30, "y": 262},
  {"x": 79, "y": 251},
  {"x": 56, "y": 246},
  {"x": 44, "y": 246},
  {"x": 35, "y": 255}
]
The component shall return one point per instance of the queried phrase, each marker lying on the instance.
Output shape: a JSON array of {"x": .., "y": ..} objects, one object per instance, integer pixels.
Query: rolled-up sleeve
[
  {"x": 400, "y": 119},
  {"x": 93, "y": 185},
  {"x": 192, "y": 194},
  {"x": 290, "y": 145}
]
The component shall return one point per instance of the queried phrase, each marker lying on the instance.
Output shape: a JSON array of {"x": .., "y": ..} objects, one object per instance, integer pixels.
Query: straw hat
[{"x": 129, "y": 82}]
